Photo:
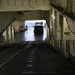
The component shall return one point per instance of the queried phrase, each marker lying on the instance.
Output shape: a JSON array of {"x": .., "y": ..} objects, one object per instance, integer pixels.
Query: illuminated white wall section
[{"x": 29, "y": 34}]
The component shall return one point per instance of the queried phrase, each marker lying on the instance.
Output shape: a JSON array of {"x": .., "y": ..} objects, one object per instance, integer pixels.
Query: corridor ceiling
[
  {"x": 26, "y": 10},
  {"x": 24, "y": 5}
]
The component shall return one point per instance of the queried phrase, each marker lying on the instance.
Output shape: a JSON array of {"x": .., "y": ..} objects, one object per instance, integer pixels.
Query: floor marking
[
  {"x": 29, "y": 65},
  {"x": 31, "y": 72},
  {"x": 28, "y": 45},
  {"x": 4, "y": 59},
  {"x": 1, "y": 65},
  {"x": 32, "y": 56},
  {"x": 4, "y": 52},
  {"x": 30, "y": 60},
  {"x": 27, "y": 72},
  {"x": 2, "y": 62}
]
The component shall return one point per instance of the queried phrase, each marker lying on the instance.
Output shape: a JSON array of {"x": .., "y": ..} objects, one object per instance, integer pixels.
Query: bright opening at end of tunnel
[{"x": 30, "y": 34}]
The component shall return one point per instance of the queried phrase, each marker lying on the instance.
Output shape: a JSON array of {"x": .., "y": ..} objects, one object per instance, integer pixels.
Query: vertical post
[
  {"x": 13, "y": 37},
  {"x": 9, "y": 33},
  {"x": 7, "y": 36},
  {"x": 48, "y": 21},
  {"x": 74, "y": 7},
  {"x": 55, "y": 24},
  {"x": 61, "y": 26},
  {"x": 69, "y": 7},
  {"x": 61, "y": 32}
]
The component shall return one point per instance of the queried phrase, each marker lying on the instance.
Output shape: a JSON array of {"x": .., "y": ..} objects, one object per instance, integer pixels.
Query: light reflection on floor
[{"x": 30, "y": 36}]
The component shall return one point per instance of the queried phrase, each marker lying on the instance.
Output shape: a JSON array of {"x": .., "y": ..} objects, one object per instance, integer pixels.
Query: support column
[
  {"x": 74, "y": 7},
  {"x": 6, "y": 36},
  {"x": 47, "y": 38},
  {"x": 13, "y": 39},
  {"x": 57, "y": 3},
  {"x": 48, "y": 21},
  {"x": 69, "y": 6},
  {"x": 53, "y": 23},
  {"x": 9, "y": 33},
  {"x": 61, "y": 26}
]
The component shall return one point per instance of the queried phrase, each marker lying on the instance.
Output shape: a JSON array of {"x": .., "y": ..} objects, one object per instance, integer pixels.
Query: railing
[
  {"x": 65, "y": 47},
  {"x": 6, "y": 18},
  {"x": 74, "y": 45}
]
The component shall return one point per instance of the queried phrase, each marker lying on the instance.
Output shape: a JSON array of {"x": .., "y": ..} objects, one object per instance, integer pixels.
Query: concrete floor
[
  {"x": 34, "y": 59},
  {"x": 28, "y": 58}
]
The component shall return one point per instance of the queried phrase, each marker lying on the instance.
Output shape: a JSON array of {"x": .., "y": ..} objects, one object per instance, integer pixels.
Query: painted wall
[
  {"x": 66, "y": 45},
  {"x": 31, "y": 15},
  {"x": 17, "y": 25}
]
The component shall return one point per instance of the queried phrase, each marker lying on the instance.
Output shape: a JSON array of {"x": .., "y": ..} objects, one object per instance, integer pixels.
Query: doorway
[{"x": 28, "y": 34}]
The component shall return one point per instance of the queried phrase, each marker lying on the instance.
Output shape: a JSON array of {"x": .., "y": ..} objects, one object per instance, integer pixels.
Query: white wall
[{"x": 17, "y": 24}]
